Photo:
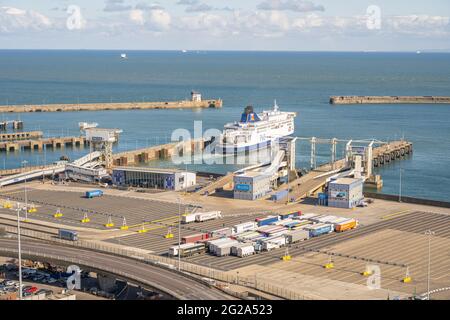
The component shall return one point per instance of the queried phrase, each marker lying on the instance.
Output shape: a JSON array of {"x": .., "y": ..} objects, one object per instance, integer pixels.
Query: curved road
[{"x": 167, "y": 281}]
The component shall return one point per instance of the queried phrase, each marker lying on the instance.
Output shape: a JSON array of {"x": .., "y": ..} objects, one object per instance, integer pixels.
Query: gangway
[{"x": 78, "y": 165}]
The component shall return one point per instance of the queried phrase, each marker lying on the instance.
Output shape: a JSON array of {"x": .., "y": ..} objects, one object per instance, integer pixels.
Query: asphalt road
[{"x": 165, "y": 280}]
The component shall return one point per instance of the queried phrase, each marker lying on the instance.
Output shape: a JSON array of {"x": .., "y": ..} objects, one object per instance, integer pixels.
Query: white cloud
[
  {"x": 137, "y": 16},
  {"x": 159, "y": 20},
  {"x": 290, "y": 5},
  {"x": 15, "y": 19}
]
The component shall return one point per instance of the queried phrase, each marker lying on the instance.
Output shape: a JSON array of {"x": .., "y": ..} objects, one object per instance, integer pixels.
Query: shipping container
[
  {"x": 306, "y": 216},
  {"x": 205, "y": 216},
  {"x": 224, "y": 248},
  {"x": 319, "y": 229},
  {"x": 273, "y": 243},
  {"x": 245, "y": 251},
  {"x": 213, "y": 245},
  {"x": 195, "y": 237},
  {"x": 68, "y": 235},
  {"x": 93, "y": 194},
  {"x": 290, "y": 215},
  {"x": 224, "y": 232},
  {"x": 188, "y": 218},
  {"x": 346, "y": 225},
  {"x": 242, "y": 227},
  {"x": 297, "y": 235},
  {"x": 267, "y": 221}
]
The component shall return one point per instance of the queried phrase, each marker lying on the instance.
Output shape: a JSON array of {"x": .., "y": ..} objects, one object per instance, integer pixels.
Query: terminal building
[
  {"x": 345, "y": 192},
  {"x": 167, "y": 179},
  {"x": 251, "y": 186},
  {"x": 257, "y": 181}
]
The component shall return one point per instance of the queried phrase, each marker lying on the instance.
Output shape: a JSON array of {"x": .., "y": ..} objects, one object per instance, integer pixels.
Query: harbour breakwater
[
  {"x": 389, "y": 100},
  {"x": 183, "y": 104}
]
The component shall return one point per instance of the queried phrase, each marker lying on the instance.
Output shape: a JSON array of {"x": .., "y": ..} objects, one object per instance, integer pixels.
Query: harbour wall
[
  {"x": 389, "y": 100},
  {"x": 389, "y": 197},
  {"x": 184, "y": 104}
]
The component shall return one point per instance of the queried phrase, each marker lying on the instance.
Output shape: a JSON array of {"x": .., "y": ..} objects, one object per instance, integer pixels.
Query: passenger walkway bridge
[{"x": 80, "y": 166}]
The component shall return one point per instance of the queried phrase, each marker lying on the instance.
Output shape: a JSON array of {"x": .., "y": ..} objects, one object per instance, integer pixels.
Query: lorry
[
  {"x": 306, "y": 216},
  {"x": 93, "y": 194},
  {"x": 273, "y": 243},
  {"x": 297, "y": 235},
  {"x": 223, "y": 248},
  {"x": 346, "y": 225},
  {"x": 242, "y": 227},
  {"x": 205, "y": 216},
  {"x": 246, "y": 250},
  {"x": 224, "y": 232},
  {"x": 290, "y": 215},
  {"x": 188, "y": 218},
  {"x": 266, "y": 221},
  {"x": 195, "y": 237},
  {"x": 68, "y": 235},
  {"x": 187, "y": 250},
  {"x": 319, "y": 229}
]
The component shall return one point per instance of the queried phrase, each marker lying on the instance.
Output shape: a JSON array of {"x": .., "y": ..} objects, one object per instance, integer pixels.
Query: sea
[{"x": 299, "y": 81}]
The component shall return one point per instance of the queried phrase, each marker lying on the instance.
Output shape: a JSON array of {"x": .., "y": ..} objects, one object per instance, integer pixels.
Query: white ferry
[{"x": 255, "y": 131}]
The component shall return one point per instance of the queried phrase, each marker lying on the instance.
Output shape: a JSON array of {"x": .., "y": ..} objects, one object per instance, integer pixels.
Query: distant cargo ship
[{"x": 255, "y": 131}]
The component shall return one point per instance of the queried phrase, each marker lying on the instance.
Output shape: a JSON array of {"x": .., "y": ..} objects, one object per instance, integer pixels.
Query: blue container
[
  {"x": 267, "y": 221},
  {"x": 320, "y": 231},
  {"x": 279, "y": 195},
  {"x": 94, "y": 193},
  {"x": 289, "y": 215}
]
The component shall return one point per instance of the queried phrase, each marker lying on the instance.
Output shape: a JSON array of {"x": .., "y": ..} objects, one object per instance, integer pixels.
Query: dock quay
[
  {"x": 390, "y": 152},
  {"x": 16, "y": 124},
  {"x": 39, "y": 144},
  {"x": 316, "y": 179},
  {"x": 389, "y": 100},
  {"x": 164, "y": 151},
  {"x": 14, "y": 136},
  {"x": 185, "y": 104}
]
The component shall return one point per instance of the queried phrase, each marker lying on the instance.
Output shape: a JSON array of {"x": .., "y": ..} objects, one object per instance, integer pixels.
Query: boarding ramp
[
  {"x": 80, "y": 166},
  {"x": 32, "y": 175},
  {"x": 88, "y": 158}
]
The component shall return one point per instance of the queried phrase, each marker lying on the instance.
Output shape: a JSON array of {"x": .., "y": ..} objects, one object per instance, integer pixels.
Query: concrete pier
[
  {"x": 391, "y": 152},
  {"x": 14, "y": 136},
  {"x": 38, "y": 144},
  {"x": 164, "y": 151},
  {"x": 345, "y": 100},
  {"x": 184, "y": 104}
]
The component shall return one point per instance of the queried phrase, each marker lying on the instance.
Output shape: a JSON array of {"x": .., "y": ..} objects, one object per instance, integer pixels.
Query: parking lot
[{"x": 74, "y": 206}]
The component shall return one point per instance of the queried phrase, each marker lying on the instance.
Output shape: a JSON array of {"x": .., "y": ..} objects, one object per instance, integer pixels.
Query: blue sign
[{"x": 242, "y": 187}]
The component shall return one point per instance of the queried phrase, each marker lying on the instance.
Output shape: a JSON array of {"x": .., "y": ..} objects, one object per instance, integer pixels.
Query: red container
[{"x": 194, "y": 238}]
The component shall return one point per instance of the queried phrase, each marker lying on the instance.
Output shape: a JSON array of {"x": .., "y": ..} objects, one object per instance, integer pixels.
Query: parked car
[
  {"x": 31, "y": 290},
  {"x": 46, "y": 291}
]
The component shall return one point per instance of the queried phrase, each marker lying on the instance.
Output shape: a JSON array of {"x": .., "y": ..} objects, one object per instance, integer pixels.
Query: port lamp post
[
  {"x": 429, "y": 233},
  {"x": 19, "y": 253},
  {"x": 179, "y": 233}
]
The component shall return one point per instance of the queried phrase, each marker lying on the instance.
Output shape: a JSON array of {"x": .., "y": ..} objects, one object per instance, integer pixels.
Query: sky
[{"x": 269, "y": 25}]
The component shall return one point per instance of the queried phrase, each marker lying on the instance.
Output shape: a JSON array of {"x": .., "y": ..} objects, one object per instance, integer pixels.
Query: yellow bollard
[
  {"x": 110, "y": 223},
  {"x": 58, "y": 214},
  {"x": 124, "y": 224}
]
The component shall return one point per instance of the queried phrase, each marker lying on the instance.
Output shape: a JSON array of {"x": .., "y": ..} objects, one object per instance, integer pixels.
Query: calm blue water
[{"x": 300, "y": 82}]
